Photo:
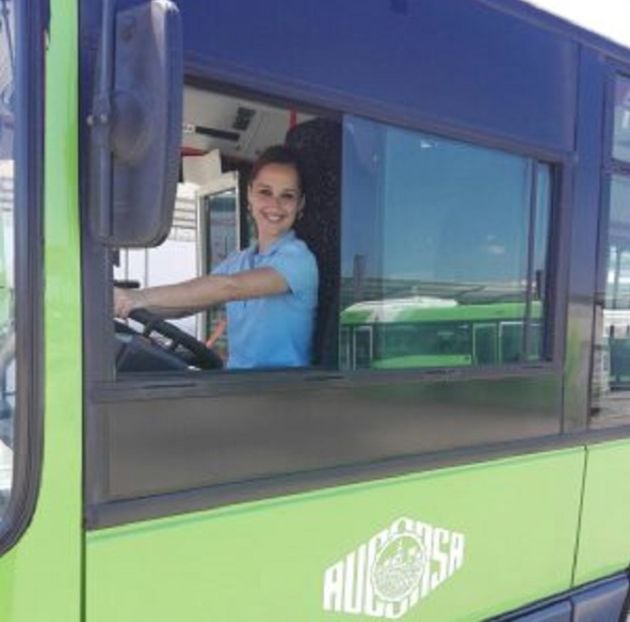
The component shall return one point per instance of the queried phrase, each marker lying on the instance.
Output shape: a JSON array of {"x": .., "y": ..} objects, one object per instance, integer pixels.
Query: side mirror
[{"x": 136, "y": 123}]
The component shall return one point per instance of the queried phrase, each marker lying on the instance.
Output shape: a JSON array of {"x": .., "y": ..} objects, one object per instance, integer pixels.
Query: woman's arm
[{"x": 189, "y": 297}]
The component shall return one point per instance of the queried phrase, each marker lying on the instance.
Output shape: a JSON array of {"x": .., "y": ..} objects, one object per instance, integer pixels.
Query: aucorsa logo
[{"x": 394, "y": 570}]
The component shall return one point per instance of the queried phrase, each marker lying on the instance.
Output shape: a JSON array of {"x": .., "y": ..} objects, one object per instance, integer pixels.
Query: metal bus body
[{"x": 470, "y": 177}]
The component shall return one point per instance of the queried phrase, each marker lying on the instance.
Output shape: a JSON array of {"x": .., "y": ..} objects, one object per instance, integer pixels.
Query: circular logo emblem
[{"x": 399, "y": 567}]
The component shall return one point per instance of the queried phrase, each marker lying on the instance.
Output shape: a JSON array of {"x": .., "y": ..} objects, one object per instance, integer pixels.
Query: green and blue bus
[{"x": 459, "y": 447}]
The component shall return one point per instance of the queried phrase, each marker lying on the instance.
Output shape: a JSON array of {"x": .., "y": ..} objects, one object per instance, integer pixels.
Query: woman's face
[{"x": 275, "y": 199}]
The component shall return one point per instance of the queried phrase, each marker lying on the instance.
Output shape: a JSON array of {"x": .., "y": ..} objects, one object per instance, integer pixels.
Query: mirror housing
[{"x": 135, "y": 124}]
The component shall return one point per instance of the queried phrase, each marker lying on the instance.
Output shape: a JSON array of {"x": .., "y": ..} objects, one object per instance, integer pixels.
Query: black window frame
[{"x": 31, "y": 28}]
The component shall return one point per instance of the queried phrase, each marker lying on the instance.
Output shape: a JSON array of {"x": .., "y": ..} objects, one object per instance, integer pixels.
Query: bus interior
[{"x": 222, "y": 135}]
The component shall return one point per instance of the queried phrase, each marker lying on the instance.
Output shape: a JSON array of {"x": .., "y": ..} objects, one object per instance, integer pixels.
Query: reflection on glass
[
  {"x": 221, "y": 211},
  {"x": 610, "y": 383},
  {"x": 222, "y": 226},
  {"x": 7, "y": 338},
  {"x": 621, "y": 138},
  {"x": 444, "y": 251}
]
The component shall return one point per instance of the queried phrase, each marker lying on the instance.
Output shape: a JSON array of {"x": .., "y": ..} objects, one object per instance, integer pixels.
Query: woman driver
[{"x": 270, "y": 288}]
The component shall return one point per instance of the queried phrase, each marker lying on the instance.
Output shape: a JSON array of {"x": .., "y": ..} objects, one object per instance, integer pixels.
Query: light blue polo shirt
[{"x": 273, "y": 331}]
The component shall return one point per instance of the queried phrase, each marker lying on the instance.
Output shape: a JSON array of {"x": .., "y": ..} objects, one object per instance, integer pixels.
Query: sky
[{"x": 610, "y": 18}]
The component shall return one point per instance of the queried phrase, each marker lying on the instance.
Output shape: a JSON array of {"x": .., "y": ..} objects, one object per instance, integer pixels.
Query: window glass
[
  {"x": 7, "y": 336},
  {"x": 444, "y": 246},
  {"x": 485, "y": 336},
  {"x": 611, "y": 358},
  {"x": 621, "y": 138}
]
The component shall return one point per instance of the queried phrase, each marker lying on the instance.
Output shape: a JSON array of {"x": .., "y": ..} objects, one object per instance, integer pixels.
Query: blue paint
[{"x": 450, "y": 61}]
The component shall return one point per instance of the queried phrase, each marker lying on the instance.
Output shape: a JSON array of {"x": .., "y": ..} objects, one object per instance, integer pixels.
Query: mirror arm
[{"x": 100, "y": 119}]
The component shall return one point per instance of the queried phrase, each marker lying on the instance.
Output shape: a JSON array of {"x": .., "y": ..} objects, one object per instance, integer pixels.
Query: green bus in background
[
  {"x": 459, "y": 447},
  {"x": 426, "y": 332}
]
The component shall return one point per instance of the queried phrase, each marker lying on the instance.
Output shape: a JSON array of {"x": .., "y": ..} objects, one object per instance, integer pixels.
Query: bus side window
[
  {"x": 610, "y": 375},
  {"x": 442, "y": 236}
]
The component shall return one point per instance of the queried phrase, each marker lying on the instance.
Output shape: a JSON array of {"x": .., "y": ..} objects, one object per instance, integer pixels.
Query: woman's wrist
[
  {"x": 127, "y": 300},
  {"x": 139, "y": 300}
]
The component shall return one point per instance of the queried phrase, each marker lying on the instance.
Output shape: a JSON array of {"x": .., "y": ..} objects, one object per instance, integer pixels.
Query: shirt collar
[{"x": 288, "y": 236}]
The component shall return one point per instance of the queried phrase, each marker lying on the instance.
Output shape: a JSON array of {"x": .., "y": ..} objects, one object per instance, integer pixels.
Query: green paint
[
  {"x": 423, "y": 360},
  {"x": 505, "y": 311},
  {"x": 605, "y": 534},
  {"x": 266, "y": 560},
  {"x": 40, "y": 578}
]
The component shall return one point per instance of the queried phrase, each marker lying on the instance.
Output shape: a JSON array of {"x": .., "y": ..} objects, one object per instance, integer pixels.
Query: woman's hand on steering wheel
[
  {"x": 202, "y": 356},
  {"x": 126, "y": 301}
]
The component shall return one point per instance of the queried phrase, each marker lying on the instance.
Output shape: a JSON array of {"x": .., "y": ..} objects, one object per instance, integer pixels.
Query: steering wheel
[{"x": 138, "y": 352}]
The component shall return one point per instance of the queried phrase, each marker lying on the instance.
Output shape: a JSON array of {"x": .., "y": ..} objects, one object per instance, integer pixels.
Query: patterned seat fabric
[{"x": 319, "y": 144}]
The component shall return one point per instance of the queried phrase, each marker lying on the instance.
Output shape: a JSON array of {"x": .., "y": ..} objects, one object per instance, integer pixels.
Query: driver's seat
[{"x": 319, "y": 144}]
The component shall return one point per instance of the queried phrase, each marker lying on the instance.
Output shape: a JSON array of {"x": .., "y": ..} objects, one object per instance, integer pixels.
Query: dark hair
[{"x": 279, "y": 154}]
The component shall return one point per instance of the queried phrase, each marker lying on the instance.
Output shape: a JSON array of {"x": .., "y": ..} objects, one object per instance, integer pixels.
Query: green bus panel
[
  {"x": 604, "y": 545},
  {"x": 40, "y": 577},
  {"x": 474, "y": 541}
]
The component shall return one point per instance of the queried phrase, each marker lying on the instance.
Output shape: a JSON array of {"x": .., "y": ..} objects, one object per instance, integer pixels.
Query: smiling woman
[
  {"x": 275, "y": 194},
  {"x": 270, "y": 288}
]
